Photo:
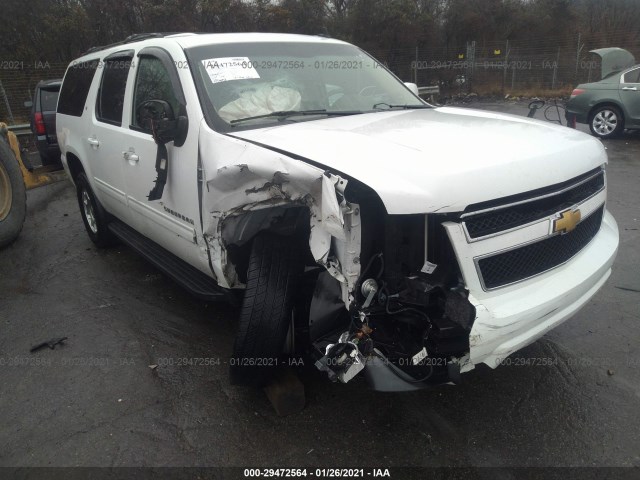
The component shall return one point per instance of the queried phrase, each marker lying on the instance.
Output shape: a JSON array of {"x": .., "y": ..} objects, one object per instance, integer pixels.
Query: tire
[
  {"x": 275, "y": 266},
  {"x": 606, "y": 122},
  {"x": 13, "y": 196},
  {"x": 93, "y": 215}
]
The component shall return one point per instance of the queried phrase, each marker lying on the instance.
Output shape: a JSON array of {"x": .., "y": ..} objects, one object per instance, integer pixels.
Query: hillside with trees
[
  {"x": 515, "y": 47},
  {"x": 59, "y": 30}
]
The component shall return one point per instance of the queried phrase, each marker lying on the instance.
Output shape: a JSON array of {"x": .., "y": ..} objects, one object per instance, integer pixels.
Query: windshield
[{"x": 253, "y": 85}]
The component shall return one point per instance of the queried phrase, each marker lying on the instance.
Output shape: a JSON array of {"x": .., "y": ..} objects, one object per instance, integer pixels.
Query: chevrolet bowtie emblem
[{"x": 567, "y": 221}]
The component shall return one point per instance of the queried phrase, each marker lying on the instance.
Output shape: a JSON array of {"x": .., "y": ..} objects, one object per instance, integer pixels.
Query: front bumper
[
  {"x": 508, "y": 320},
  {"x": 511, "y": 318}
]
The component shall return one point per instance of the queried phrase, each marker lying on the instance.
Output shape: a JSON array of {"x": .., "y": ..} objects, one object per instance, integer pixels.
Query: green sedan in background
[{"x": 612, "y": 104}]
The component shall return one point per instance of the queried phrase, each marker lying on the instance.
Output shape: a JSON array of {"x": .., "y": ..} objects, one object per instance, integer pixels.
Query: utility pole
[
  {"x": 513, "y": 78},
  {"x": 555, "y": 70},
  {"x": 471, "y": 60},
  {"x": 578, "y": 50},
  {"x": 415, "y": 69},
  {"x": 506, "y": 63}
]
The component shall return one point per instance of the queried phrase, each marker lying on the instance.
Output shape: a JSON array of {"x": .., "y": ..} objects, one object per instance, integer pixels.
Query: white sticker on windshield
[{"x": 229, "y": 68}]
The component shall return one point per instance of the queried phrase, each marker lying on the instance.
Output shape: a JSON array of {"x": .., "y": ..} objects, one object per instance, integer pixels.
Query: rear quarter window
[
  {"x": 75, "y": 88},
  {"x": 48, "y": 100},
  {"x": 632, "y": 76}
]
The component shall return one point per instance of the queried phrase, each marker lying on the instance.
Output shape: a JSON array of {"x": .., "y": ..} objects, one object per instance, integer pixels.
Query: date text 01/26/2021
[{"x": 318, "y": 472}]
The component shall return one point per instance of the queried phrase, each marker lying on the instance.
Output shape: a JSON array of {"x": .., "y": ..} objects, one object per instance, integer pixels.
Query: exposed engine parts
[
  {"x": 343, "y": 360},
  {"x": 408, "y": 322},
  {"x": 412, "y": 333},
  {"x": 369, "y": 290}
]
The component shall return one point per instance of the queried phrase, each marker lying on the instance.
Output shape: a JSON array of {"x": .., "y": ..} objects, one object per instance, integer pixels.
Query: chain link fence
[
  {"x": 499, "y": 68},
  {"x": 18, "y": 81},
  {"x": 488, "y": 68}
]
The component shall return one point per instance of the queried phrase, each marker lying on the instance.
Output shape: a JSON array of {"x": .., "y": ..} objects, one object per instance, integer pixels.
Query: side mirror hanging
[{"x": 165, "y": 128}]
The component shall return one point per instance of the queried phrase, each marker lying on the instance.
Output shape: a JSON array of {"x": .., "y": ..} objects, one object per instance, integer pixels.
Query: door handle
[
  {"x": 131, "y": 157},
  {"x": 93, "y": 141},
  {"x": 630, "y": 88}
]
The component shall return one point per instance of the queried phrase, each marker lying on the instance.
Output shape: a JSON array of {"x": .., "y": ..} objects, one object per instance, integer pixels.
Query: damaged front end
[
  {"x": 381, "y": 295},
  {"x": 408, "y": 324}
]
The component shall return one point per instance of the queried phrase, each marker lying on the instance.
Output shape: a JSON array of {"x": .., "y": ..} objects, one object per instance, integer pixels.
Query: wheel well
[
  {"x": 605, "y": 104},
  {"x": 238, "y": 233},
  {"x": 75, "y": 166}
]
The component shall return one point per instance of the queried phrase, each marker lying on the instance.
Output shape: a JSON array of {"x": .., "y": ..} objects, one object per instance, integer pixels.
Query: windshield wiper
[
  {"x": 284, "y": 114},
  {"x": 405, "y": 107}
]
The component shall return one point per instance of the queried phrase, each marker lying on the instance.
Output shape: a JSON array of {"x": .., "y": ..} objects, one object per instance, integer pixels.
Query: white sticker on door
[{"x": 229, "y": 68}]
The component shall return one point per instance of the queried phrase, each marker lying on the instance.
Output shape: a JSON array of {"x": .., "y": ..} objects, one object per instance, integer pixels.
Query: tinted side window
[
  {"x": 75, "y": 88},
  {"x": 633, "y": 76},
  {"x": 110, "y": 101},
  {"x": 152, "y": 83}
]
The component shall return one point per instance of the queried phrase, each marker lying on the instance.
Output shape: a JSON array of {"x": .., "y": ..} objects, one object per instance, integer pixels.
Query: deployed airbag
[{"x": 265, "y": 100}]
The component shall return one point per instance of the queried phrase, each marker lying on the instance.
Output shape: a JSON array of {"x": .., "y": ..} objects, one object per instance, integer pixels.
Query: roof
[
  {"x": 190, "y": 39},
  {"x": 210, "y": 38},
  {"x": 56, "y": 82},
  {"x": 137, "y": 37}
]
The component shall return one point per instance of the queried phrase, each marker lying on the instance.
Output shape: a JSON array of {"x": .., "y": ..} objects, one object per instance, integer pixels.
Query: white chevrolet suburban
[{"x": 376, "y": 234}]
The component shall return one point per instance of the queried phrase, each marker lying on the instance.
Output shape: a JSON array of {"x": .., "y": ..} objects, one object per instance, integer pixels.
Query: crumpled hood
[{"x": 440, "y": 159}]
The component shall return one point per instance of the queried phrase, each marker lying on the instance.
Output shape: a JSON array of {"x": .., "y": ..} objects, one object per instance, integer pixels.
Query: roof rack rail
[{"x": 136, "y": 37}]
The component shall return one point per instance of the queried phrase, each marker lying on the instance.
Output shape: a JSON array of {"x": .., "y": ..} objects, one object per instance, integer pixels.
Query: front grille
[
  {"x": 513, "y": 216},
  {"x": 535, "y": 258}
]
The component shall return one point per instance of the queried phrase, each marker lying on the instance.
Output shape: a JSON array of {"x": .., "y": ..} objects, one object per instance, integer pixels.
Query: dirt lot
[{"x": 96, "y": 401}]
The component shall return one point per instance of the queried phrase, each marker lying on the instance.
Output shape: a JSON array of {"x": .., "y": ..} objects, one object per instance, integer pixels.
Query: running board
[{"x": 188, "y": 277}]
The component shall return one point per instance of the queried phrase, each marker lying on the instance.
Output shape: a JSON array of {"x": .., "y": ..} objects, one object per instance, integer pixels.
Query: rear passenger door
[
  {"x": 106, "y": 137},
  {"x": 630, "y": 95}
]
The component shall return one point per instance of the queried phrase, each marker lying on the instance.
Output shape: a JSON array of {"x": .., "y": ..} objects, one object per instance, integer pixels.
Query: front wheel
[
  {"x": 93, "y": 215},
  {"x": 606, "y": 122},
  {"x": 275, "y": 265}
]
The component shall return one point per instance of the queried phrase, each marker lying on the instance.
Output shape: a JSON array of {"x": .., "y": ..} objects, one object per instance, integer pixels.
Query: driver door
[{"x": 172, "y": 220}]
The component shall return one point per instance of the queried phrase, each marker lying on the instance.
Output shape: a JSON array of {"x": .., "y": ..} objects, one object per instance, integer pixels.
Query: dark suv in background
[{"x": 43, "y": 120}]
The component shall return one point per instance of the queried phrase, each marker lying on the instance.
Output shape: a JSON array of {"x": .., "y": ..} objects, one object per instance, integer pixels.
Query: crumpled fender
[{"x": 240, "y": 177}]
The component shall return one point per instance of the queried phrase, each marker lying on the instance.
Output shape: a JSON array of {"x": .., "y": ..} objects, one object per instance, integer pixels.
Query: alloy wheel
[
  {"x": 88, "y": 212},
  {"x": 605, "y": 122}
]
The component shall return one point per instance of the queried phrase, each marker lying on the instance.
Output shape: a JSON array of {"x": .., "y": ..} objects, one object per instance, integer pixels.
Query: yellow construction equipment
[
  {"x": 15, "y": 179},
  {"x": 39, "y": 176}
]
